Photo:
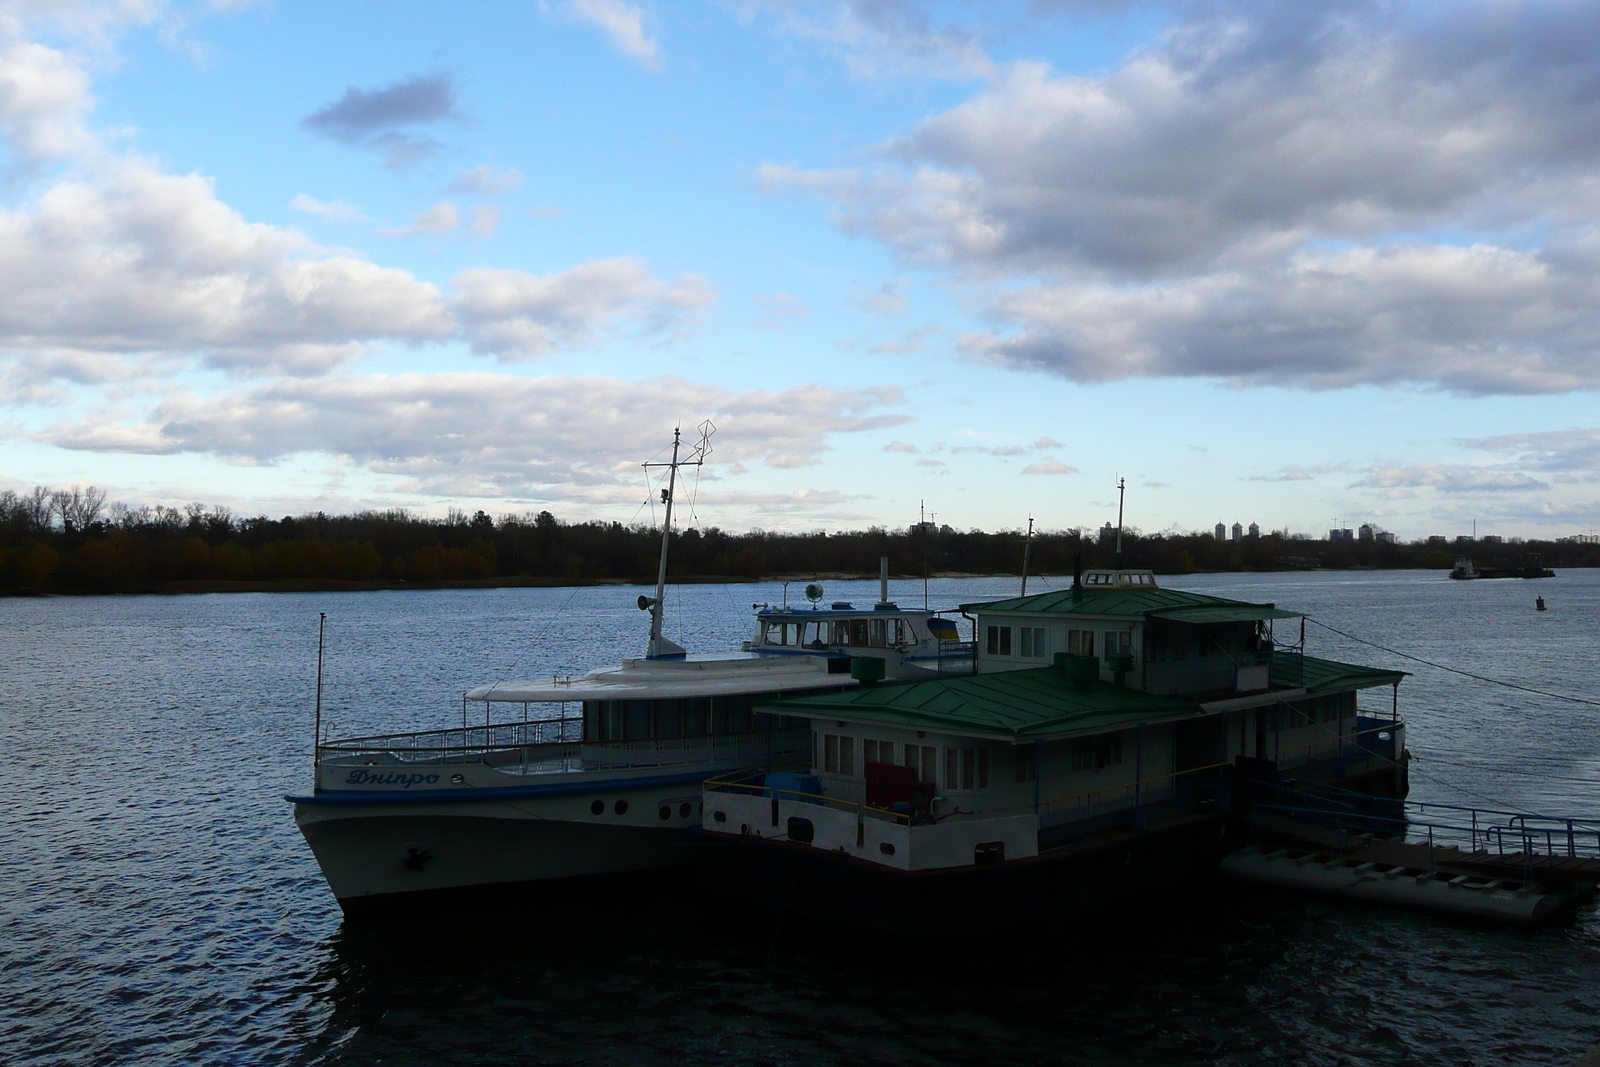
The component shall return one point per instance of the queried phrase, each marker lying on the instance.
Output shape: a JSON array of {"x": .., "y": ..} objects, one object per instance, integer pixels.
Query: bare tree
[
  {"x": 78, "y": 508},
  {"x": 38, "y": 508}
]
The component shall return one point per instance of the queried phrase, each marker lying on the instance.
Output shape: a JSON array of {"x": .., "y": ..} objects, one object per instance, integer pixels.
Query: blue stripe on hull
[{"x": 465, "y": 793}]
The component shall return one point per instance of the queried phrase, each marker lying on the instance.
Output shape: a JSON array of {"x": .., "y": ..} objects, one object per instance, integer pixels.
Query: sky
[{"x": 1294, "y": 264}]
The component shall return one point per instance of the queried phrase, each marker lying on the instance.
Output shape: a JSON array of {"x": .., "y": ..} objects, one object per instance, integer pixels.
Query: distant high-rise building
[
  {"x": 1222, "y": 532},
  {"x": 1386, "y": 536},
  {"x": 1255, "y": 529},
  {"x": 1367, "y": 530},
  {"x": 1238, "y": 531},
  {"x": 1107, "y": 532},
  {"x": 1438, "y": 540},
  {"x": 1345, "y": 534}
]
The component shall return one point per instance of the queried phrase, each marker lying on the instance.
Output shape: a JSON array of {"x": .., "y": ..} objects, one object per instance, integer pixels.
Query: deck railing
[{"x": 508, "y": 749}]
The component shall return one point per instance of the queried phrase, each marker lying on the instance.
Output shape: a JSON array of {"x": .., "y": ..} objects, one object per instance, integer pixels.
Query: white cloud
[
  {"x": 1258, "y": 197},
  {"x": 514, "y": 315},
  {"x": 779, "y": 311},
  {"x": 479, "y": 434},
  {"x": 1557, "y": 451},
  {"x": 1449, "y": 478},
  {"x": 623, "y": 25},
  {"x": 330, "y": 210},
  {"x": 1049, "y": 466},
  {"x": 901, "y": 446},
  {"x": 138, "y": 261},
  {"x": 440, "y": 218},
  {"x": 44, "y": 100},
  {"x": 879, "y": 38},
  {"x": 484, "y": 220},
  {"x": 485, "y": 181},
  {"x": 1474, "y": 320}
]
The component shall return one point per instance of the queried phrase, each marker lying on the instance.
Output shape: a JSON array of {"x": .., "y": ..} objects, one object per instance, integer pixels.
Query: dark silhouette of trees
[{"x": 69, "y": 540}]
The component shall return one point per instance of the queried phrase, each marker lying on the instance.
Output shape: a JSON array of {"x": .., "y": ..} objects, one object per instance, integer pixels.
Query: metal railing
[
  {"x": 1088, "y": 803},
  {"x": 1532, "y": 838},
  {"x": 500, "y": 747}
]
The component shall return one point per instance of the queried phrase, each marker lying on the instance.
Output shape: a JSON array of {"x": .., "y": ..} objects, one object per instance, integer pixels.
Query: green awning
[{"x": 1239, "y": 612}]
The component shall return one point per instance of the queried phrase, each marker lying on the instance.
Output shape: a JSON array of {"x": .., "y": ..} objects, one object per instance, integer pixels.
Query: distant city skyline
[{"x": 1283, "y": 262}]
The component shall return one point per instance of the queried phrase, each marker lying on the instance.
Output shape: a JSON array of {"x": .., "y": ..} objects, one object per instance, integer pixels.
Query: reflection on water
[{"x": 157, "y": 905}]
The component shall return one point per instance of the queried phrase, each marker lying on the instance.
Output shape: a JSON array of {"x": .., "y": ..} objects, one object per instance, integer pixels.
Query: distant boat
[{"x": 1532, "y": 567}]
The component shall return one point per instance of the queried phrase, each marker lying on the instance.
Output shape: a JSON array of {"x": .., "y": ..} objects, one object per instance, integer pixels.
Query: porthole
[
  {"x": 683, "y": 810},
  {"x": 597, "y": 808},
  {"x": 620, "y": 807},
  {"x": 886, "y": 848},
  {"x": 720, "y": 816},
  {"x": 665, "y": 813},
  {"x": 458, "y": 779}
]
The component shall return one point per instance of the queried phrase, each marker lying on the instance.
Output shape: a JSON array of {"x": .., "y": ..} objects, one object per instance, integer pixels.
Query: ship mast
[
  {"x": 1122, "y": 486},
  {"x": 661, "y": 646},
  {"x": 1027, "y": 550}
]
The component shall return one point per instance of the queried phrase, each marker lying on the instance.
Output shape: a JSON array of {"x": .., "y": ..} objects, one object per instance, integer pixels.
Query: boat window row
[
  {"x": 1033, "y": 642},
  {"x": 1098, "y": 578},
  {"x": 821, "y": 633},
  {"x": 1325, "y": 709},
  {"x": 627, "y": 720},
  {"x": 964, "y": 768}
]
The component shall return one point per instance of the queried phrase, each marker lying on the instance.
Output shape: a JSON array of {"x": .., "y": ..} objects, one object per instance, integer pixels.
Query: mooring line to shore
[{"x": 1455, "y": 670}]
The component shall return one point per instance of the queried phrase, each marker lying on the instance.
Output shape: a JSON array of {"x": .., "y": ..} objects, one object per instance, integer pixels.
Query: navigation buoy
[{"x": 1538, "y": 603}]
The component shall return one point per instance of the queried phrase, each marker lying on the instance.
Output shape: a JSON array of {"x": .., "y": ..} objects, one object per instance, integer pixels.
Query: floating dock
[{"x": 1523, "y": 887}]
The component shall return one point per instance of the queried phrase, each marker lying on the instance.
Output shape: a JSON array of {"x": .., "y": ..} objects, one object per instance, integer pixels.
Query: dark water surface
[{"x": 157, "y": 905}]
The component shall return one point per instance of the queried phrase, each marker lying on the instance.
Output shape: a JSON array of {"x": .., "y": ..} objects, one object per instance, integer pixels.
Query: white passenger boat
[{"x": 600, "y": 773}]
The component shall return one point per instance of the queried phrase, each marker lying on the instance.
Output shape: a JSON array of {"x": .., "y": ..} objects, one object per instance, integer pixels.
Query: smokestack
[
  {"x": 883, "y": 579},
  {"x": 1077, "y": 576}
]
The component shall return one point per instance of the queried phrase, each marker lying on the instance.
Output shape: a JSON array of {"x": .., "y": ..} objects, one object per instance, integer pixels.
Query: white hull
[{"x": 395, "y": 848}]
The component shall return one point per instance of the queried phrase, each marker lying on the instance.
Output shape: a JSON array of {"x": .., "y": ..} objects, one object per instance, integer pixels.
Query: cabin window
[
  {"x": 1080, "y": 642},
  {"x": 999, "y": 640},
  {"x": 923, "y": 760},
  {"x": 876, "y": 751},
  {"x": 838, "y": 754},
  {"x": 1118, "y": 642},
  {"x": 1096, "y": 753},
  {"x": 1032, "y": 639},
  {"x": 966, "y": 768},
  {"x": 1026, "y": 772}
]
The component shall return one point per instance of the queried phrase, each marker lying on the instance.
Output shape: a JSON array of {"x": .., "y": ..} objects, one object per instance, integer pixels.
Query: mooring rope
[{"x": 1456, "y": 670}]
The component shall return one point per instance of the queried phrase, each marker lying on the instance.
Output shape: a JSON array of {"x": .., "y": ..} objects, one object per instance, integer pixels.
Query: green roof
[
  {"x": 1116, "y": 601},
  {"x": 1019, "y": 705},
  {"x": 1320, "y": 676},
  {"x": 1234, "y": 612}
]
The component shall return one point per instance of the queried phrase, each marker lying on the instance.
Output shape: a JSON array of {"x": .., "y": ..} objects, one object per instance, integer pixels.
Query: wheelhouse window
[
  {"x": 1096, "y": 753},
  {"x": 999, "y": 640},
  {"x": 924, "y": 761},
  {"x": 838, "y": 754},
  {"x": 1033, "y": 642},
  {"x": 966, "y": 768},
  {"x": 886, "y": 633}
]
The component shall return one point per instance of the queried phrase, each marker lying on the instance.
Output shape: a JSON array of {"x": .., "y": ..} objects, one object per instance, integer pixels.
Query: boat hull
[
  {"x": 388, "y": 851},
  {"x": 1059, "y": 886}
]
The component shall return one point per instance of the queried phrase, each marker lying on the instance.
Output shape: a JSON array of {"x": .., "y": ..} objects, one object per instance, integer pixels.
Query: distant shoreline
[{"x": 197, "y": 586}]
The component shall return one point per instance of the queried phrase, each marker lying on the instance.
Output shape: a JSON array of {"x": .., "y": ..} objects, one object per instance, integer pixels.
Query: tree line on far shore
[{"x": 72, "y": 541}]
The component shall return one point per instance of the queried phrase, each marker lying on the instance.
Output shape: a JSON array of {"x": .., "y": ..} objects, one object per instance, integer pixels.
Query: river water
[{"x": 157, "y": 905}]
